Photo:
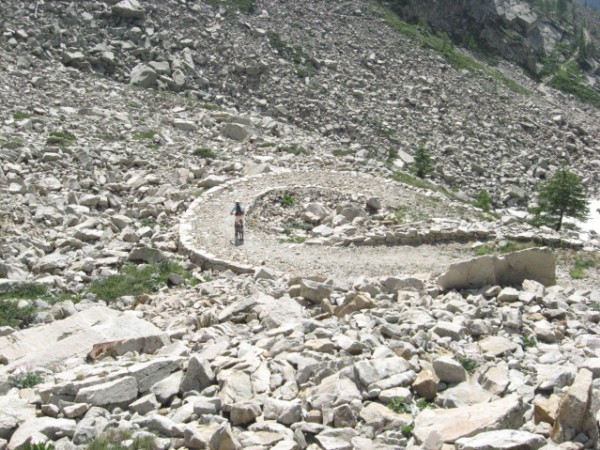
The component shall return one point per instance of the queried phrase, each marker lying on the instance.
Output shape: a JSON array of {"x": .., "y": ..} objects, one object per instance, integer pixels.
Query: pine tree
[{"x": 563, "y": 195}]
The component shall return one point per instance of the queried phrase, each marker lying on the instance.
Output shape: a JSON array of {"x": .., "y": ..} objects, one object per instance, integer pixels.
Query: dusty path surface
[{"x": 212, "y": 227}]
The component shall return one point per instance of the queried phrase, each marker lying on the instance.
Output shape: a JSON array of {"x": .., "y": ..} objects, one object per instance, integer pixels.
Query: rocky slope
[{"x": 126, "y": 130}]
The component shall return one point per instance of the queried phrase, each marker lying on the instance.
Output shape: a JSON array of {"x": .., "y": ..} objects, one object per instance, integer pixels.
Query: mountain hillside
[{"x": 592, "y": 4}]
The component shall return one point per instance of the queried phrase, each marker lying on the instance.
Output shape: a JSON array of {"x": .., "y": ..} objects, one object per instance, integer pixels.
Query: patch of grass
[
  {"x": 399, "y": 405},
  {"x": 20, "y": 115},
  {"x": 211, "y": 107},
  {"x": 484, "y": 250},
  {"x": 134, "y": 280},
  {"x": 595, "y": 306},
  {"x": 62, "y": 138},
  {"x": 25, "y": 380},
  {"x": 267, "y": 144},
  {"x": 407, "y": 178},
  {"x": 287, "y": 199},
  {"x": 529, "y": 341},
  {"x": 40, "y": 446},
  {"x": 26, "y": 291},
  {"x": 468, "y": 364},
  {"x": 392, "y": 153},
  {"x": 114, "y": 440},
  {"x": 578, "y": 271},
  {"x": 206, "y": 153},
  {"x": 342, "y": 152},
  {"x": 569, "y": 79},
  {"x": 294, "y": 150},
  {"x": 144, "y": 135},
  {"x": 508, "y": 247},
  {"x": 297, "y": 239}
]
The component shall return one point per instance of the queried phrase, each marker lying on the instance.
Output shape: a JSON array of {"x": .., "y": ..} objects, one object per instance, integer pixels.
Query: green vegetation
[
  {"x": 136, "y": 280},
  {"x": 211, "y": 107},
  {"x": 507, "y": 247},
  {"x": 25, "y": 380},
  {"x": 569, "y": 79},
  {"x": 295, "y": 225},
  {"x": 407, "y": 178},
  {"x": 399, "y": 405},
  {"x": 529, "y": 341},
  {"x": 10, "y": 313},
  {"x": 342, "y": 152},
  {"x": 114, "y": 440},
  {"x": 62, "y": 138},
  {"x": 578, "y": 271},
  {"x": 232, "y": 6},
  {"x": 287, "y": 199},
  {"x": 294, "y": 150},
  {"x": 442, "y": 44},
  {"x": 422, "y": 404},
  {"x": 468, "y": 364},
  {"x": 206, "y": 153},
  {"x": 20, "y": 115},
  {"x": 407, "y": 431},
  {"x": 423, "y": 165},
  {"x": 562, "y": 195},
  {"x": 144, "y": 135},
  {"x": 40, "y": 446},
  {"x": 483, "y": 201},
  {"x": 595, "y": 306},
  {"x": 392, "y": 154},
  {"x": 305, "y": 64}
]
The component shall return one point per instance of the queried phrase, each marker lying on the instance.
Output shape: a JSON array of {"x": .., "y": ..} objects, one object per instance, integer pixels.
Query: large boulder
[
  {"x": 128, "y": 9},
  {"x": 502, "y": 440},
  {"x": 47, "y": 426},
  {"x": 574, "y": 412},
  {"x": 143, "y": 76},
  {"x": 538, "y": 264},
  {"x": 439, "y": 426}
]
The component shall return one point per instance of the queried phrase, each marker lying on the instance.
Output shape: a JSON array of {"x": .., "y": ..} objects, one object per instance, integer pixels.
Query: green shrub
[
  {"x": 407, "y": 431},
  {"x": 294, "y": 150},
  {"x": 529, "y": 341},
  {"x": 468, "y": 364},
  {"x": 295, "y": 225},
  {"x": 13, "y": 316},
  {"x": 206, "y": 153},
  {"x": 399, "y": 405},
  {"x": 422, "y": 404},
  {"x": 483, "y": 201},
  {"x": 62, "y": 138},
  {"x": 25, "y": 380},
  {"x": 134, "y": 280},
  {"x": 423, "y": 165},
  {"x": 287, "y": 199}
]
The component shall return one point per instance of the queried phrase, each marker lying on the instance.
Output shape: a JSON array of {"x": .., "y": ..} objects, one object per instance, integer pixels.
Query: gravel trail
[{"x": 213, "y": 228}]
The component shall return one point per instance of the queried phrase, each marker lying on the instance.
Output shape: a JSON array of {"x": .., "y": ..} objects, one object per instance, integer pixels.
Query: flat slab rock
[
  {"x": 52, "y": 344},
  {"x": 438, "y": 426},
  {"x": 538, "y": 264}
]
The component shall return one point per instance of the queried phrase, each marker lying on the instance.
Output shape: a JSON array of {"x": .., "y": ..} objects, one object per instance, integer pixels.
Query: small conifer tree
[
  {"x": 423, "y": 163},
  {"x": 561, "y": 196}
]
